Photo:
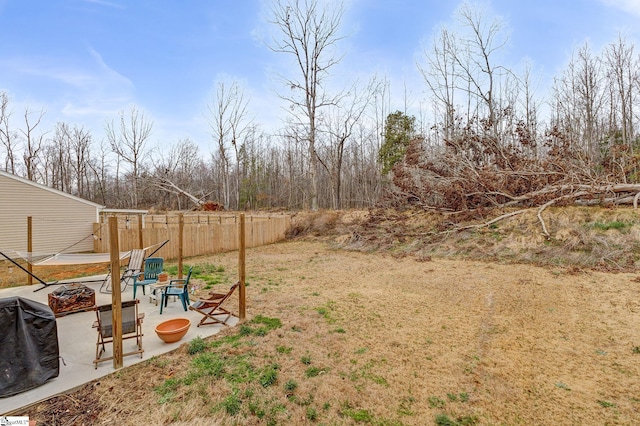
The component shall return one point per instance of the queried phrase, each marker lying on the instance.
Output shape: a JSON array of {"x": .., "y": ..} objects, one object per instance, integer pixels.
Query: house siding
[{"x": 58, "y": 219}]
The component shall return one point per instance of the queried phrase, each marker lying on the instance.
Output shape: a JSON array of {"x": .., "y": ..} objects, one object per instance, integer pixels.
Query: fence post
[
  {"x": 241, "y": 271},
  {"x": 30, "y": 249},
  {"x": 140, "y": 239},
  {"x": 180, "y": 243},
  {"x": 116, "y": 299}
]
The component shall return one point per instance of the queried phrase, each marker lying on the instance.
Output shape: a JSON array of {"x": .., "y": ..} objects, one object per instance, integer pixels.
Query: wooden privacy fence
[
  {"x": 131, "y": 221},
  {"x": 199, "y": 237}
]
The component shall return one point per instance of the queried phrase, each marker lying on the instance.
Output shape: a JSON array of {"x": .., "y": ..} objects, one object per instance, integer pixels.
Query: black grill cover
[{"x": 29, "y": 353}]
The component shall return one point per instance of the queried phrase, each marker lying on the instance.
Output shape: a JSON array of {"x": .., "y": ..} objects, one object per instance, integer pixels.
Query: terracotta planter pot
[
  {"x": 173, "y": 330},
  {"x": 163, "y": 277}
]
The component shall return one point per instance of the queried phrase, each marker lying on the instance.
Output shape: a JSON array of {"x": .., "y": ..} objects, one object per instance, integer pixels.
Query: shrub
[{"x": 196, "y": 345}]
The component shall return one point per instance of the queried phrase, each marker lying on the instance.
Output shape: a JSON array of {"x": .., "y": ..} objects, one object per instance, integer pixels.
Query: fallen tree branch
[
  {"x": 494, "y": 220},
  {"x": 171, "y": 187},
  {"x": 551, "y": 202},
  {"x": 193, "y": 198},
  {"x": 539, "y": 214}
]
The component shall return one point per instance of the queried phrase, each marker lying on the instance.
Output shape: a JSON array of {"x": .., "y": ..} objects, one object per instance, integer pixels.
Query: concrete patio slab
[{"x": 77, "y": 341}]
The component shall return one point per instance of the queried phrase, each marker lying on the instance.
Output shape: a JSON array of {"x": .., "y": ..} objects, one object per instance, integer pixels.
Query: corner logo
[{"x": 14, "y": 421}]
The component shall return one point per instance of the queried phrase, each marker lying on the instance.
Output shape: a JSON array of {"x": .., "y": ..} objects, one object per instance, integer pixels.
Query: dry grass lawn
[{"x": 345, "y": 337}]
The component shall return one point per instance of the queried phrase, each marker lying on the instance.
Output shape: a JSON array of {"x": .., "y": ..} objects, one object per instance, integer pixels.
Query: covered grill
[{"x": 29, "y": 354}]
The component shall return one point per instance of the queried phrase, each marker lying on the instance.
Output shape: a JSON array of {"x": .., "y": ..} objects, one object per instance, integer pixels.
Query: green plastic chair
[
  {"x": 152, "y": 267},
  {"x": 178, "y": 288}
]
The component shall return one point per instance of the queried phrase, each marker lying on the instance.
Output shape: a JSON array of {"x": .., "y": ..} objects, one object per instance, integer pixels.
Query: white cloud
[
  {"x": 80, "y": 77},
  {"x": 41, "y": 68},
  {"x": 90, "y": 109},
  {"x": 105, "y": 3},
  {"x": 102, "y": 91},
  {"x": 111, "y": 75},
  {"x": 86, "y": 92},
  {"x": 630, "y": 6}
]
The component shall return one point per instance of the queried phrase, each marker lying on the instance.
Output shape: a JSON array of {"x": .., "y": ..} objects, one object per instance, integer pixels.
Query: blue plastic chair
[
  {"x": 152, "y": 267},
  {"x": 178, "y": 288}
]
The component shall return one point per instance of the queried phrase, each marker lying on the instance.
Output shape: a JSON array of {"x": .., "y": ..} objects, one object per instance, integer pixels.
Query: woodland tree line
[{"x": 485, "y": 138}]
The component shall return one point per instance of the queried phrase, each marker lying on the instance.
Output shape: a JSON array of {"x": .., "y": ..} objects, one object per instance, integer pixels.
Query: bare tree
[
  {"x": 473, "y": 94},
  {"x": 256, "y": 171},
  {"x": 80, "y": 142},
  {"x": 365, "y": 183},
  {"x": 622, "y": 65},
  {"x": 221, "y": 128},
  {"x": 309, "y": 32},
  {"x": 579, "y": 100},
  {"x": 381, "y": 103},
  {"x": 173, "y": 174},
  {"x": 294, "y": 148},
  {"x": 228, "y": 122},
  {"x": 100, "y": 175},
  {"x": 461, "y": 69},
  {"x": 7, "y": 136},
  {"x": 529, "y": 105},
  {"x": 477, "y": 69},
  {"x": 440, "y": 75},
  {"x": 58, "y": 153},
  {"x": 128, "y": 141},
  {"x": 339, "y": 125},
  {"x": 239, "y": 124},
  {"x": 32, "y": 142}
]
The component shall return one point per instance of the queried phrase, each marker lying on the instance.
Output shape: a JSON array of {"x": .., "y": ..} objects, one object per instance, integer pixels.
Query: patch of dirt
[
  {"x": 398, "y": 340},
  {"x": 76, "y": 408}
]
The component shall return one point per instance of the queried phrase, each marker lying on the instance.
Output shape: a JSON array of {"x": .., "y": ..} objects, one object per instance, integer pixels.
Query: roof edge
[{"x": 129, "y": 211}]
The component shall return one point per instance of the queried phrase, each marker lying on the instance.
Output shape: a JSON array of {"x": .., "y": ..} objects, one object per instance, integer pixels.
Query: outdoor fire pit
[{"x": 71, "y": 298}]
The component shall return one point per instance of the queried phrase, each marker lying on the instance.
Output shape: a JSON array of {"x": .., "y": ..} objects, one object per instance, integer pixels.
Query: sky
[{"x": 84, "y": 61}]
